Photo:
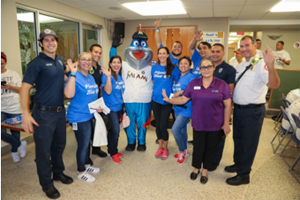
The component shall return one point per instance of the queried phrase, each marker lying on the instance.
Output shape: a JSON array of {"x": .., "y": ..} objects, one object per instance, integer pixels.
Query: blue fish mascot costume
[{"x": 136, "y": 73}]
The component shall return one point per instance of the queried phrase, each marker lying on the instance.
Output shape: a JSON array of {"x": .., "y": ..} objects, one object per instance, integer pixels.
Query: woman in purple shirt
[{"x": 211, "y": 99}]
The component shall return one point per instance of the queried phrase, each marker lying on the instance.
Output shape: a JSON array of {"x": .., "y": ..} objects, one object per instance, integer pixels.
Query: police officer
[
  {"x": 48, "y": 119},
  {"x": 95, "y": 71},
  {"x": 226, "y": 73},
  {"x": 249, "y": 107}
]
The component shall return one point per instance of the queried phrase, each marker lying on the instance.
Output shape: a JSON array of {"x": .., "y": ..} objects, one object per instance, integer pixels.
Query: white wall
[
  {"x": 289, "y": 37},
  {"x": 9, "y": 26},
  {"x": 204, "y": 24}
]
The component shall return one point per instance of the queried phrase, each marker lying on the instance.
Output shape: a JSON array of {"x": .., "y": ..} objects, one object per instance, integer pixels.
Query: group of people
[{"x": 203, "y": 94}]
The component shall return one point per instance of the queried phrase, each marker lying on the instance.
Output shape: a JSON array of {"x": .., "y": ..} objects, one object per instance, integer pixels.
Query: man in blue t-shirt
[
  {"x": 176, "y": 47},
  {"x": 227, "y": 73},
  {"x": 203, "y": 51},
  {"x": 48, "y": 119}
]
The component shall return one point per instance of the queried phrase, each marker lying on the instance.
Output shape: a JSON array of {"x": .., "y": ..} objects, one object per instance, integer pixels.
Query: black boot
[{"x": 130, "y": 147}]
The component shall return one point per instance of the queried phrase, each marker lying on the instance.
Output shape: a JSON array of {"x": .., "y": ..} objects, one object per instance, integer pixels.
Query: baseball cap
[
  {"x": 237, "y": 51},
  {"x": 46, "y": 32}
]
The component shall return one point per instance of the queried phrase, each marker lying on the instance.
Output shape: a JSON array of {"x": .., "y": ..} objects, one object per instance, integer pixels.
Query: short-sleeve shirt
[
  {"x": 208, "y": 106},
  {"x": 252, "y": 87},
  {"x": 196, "y": 59},
  {"x": 225, "y": 72},
  {"x": 97, "y": 76},
  {"x": 282, "y": 54},
  {"x": 10, "y": 100},
  {"x": 180, "y": 85},
  {"x": 161, "y": 81},
  {"x": 48, "y": 76},
  {"x": 139, "y": 85},
  {"x": 173, "y": 60},
  {"x": 86, "y": 91},
  {"x": 114, "y": 100}
]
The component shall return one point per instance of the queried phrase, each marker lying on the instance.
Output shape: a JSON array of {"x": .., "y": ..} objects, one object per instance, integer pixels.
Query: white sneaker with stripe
[
  {"x": 90, "y": 169},
  {"x": 86, "y": 177}
]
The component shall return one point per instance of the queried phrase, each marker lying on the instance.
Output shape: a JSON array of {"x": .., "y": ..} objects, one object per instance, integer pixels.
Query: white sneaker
[
  {"x": 86, "y": 177},
  {"x": 22, "y": 149},
  {"x": 90, "y": 169},
  {"x": 15, "y": 156}
]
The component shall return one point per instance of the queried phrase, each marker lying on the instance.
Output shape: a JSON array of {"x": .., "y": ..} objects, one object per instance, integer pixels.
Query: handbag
[
  {"x": 222, "y": 135},
  {"x": 106, "y": 120},
  {"x": 125, "y": 121}
]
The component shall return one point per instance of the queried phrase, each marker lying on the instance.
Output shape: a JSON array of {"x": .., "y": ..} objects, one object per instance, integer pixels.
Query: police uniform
[
  {"x": 226, "y": 73},
  {"x": 249, "y": 111},
  {"x": 50, "y": 136}
]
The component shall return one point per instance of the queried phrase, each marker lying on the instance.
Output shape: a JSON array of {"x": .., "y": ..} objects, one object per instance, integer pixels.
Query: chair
[
  {"x": 286, "y": 104},
  {"x": 292, "y": 169},
  {"x": 282, "y": 133}
]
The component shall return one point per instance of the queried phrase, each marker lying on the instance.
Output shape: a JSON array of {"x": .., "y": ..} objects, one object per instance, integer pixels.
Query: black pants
[
  {"x": 247, "y": 124},
  {"x": 161, "y": 114},
  {"x": 50, "y": 142},
  {"x": 204, "y": 146}
]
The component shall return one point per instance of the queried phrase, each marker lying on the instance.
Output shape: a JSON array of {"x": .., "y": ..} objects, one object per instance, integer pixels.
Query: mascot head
[{"x": 138, "y": 54}]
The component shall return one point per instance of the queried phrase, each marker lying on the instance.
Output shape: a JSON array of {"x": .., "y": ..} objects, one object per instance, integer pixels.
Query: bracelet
[
  {"x": 157, "y": 30},
  {"x": 73, "y": 73}
]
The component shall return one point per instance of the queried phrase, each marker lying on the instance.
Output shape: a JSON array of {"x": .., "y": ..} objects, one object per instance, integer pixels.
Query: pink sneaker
[
  {"x": 116, "y": 159},
  {"x": 181, "y": 158},
  {"x": 186, "y": 154},
  {"x": 165, "y": 154},
  {"x": 159, "y": 152}
]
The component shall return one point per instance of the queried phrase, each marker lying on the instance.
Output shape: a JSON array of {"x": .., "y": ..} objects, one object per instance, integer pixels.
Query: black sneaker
[
  {"x": 141, "y": 147},
  {"x": 130, "y": 147},
  {"x": 100, "y": 153}
]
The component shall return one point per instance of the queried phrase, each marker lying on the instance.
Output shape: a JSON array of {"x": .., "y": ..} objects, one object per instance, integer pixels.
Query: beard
[{"x": 174, "y": 54}]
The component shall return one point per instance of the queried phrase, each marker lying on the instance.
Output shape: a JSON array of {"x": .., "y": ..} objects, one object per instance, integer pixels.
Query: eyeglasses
[
  {"x": 208, "y": 67},
  {"x": 85, "y": 60}
]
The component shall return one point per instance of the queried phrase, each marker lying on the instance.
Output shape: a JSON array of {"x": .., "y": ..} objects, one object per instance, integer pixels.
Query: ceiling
[{"x": 245, "y": 15}]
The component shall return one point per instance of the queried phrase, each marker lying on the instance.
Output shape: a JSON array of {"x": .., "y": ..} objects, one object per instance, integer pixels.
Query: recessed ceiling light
[
  {"x": 156, "y": 8},
  {"x": 287, "y": 6},
  {"x": 233, "y": 34}
]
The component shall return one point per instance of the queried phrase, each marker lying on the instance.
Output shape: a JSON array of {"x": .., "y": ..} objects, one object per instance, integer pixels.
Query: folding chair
[
  {"x": 282, "y": 133},
  {"x": 286, "y": 104},
  {"x": 292, "y": 169}
]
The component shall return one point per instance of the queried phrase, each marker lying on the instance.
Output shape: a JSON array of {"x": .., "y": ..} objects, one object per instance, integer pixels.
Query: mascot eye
[
  {"x": 135, "y": 43},
  {"x": 143, "y": 44}
]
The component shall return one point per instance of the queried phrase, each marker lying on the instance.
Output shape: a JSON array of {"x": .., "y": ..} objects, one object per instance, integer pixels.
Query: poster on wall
[{"x": 213, "y": 37}]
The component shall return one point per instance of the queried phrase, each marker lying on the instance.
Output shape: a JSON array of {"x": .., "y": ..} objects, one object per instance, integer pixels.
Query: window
[
  {"x": 27, "y": 37},
  {"x": 90, "y": 37}
]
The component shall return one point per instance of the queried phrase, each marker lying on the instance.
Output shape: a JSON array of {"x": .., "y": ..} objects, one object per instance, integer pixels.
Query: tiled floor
[{"x": 142, "y": 176}]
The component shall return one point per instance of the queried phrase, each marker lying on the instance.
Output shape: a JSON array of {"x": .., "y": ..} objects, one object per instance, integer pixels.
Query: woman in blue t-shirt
[
  {"x": 113, "y": 88},
  {"x": 183, "y": 113},
  {"x": 82, "y": 90},
  {"x": 163, "y": 76}
]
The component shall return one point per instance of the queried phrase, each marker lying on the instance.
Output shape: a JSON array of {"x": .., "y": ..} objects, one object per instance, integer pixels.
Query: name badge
[
  {"x": 74, "y": 126},
  {"x": 197, "y": 87}
]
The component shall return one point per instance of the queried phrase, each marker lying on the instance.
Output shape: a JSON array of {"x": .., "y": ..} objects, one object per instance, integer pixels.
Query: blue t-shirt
[
  {"x": 48, "y": 76},
  {"x": 180, "y": 85},
  {"x": 225, "y": 72},
  {"x": 86, "y": 91},
  {"x": 114, "y": 100},
  {"x": 196, "y": 59},
  {"x": 161, "y": 81}
]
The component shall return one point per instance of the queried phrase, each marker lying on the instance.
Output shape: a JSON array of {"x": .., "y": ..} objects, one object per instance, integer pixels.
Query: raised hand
[
  {"x": 73, "y": 66},
  {"x": 105, "y": 71},
  {"x": 269, "y": 57},
  {"x": 198, "y": 35},
  {"x": 157, "y": 23}
]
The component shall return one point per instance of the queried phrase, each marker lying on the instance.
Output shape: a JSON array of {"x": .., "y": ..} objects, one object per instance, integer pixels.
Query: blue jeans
[
  {"x": 83, "y": 136},
  {"x": 179, "y": 130},
  {"x": 14, "y": 137},
  {"x": 114, "y": 132}
]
